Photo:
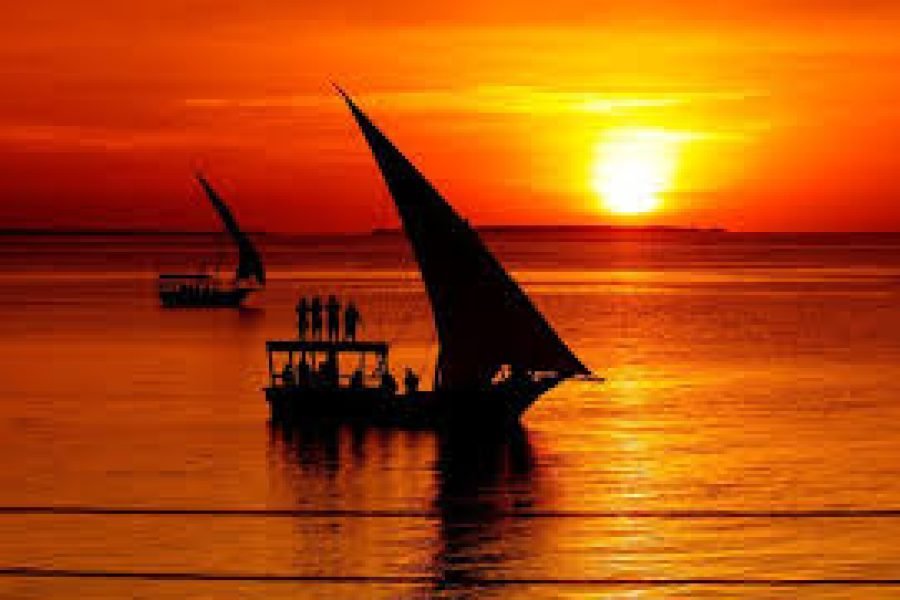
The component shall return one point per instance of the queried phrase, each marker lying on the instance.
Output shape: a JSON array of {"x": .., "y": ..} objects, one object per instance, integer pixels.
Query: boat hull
[
  {"x": 231, "y": 298},
  {"x": 425, "y": 409}
]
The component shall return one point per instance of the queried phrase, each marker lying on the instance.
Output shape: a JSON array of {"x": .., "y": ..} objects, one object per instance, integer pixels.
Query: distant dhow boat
[
  {"x": 497, "y": 353},
  {"x": 203, "y": 290}
]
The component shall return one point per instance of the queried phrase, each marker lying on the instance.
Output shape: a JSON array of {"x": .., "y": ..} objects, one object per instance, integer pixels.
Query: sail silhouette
[
  {"x": 485, "y": 322},
  {"x": 249, "y": 261}
]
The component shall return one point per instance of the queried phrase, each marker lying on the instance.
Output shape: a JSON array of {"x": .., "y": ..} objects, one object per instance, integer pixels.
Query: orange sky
[{"x": 773, "y": 115}]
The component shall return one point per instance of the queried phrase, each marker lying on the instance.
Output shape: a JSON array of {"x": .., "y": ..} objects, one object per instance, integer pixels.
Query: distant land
[
  {"x": 538, "y": 229},
  {"x": 522, "y": 229},
  {"x": 112, "y": 232}
]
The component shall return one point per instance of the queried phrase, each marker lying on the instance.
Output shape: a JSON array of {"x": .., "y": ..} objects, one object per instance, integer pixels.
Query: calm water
[{"x": 752, "y": 385}]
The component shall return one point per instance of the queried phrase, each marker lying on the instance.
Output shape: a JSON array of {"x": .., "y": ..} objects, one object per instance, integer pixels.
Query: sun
[{"x": 633, "y": 168}]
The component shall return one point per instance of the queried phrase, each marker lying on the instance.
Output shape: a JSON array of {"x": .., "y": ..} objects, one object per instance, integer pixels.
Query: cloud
[
  {"x": 493, "y": 99},
  {"x": 189, "y": 14},
  {"x": 72, "y": 137}
]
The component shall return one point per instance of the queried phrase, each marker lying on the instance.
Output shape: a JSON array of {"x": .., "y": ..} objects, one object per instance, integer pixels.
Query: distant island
[
  {"x": 111, "y": 232},
  {"x": 544, "y": 229},
  {"x": 381, "y": 231}
]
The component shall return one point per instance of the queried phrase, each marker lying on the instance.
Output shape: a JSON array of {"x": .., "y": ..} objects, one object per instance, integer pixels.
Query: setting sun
[{"x": 633, "y": 168}]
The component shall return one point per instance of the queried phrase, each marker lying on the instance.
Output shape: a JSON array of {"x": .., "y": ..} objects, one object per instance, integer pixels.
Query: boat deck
[
  {"x": 199, "y": 291},
  {"x": 323, "y": 390},
  {"x": 292, "y": 405}
]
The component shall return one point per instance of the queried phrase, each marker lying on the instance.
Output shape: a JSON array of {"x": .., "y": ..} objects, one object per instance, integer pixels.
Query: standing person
[
  {"x": 333, "y": 310},
  {"x": 352, "y": 319},
  {"x": 303, "y": 310},
  {"x": 315, "y": 309}
]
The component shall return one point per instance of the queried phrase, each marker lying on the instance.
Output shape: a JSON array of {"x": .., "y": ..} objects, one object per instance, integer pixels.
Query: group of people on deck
[
  {"x": 313, "y": 315},
  {"x": 315, "y": 320},
  {"x": 327, "y": 377}
]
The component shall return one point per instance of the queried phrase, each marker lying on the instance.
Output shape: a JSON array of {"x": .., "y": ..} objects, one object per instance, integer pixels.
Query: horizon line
[{"x": 389, "y": 231}]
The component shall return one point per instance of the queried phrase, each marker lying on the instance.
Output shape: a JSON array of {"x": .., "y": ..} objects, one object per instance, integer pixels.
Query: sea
[{"x": 745, "y": 443}]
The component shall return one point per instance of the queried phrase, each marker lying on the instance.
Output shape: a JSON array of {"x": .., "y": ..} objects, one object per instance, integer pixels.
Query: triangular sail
[
  {"x": 249, "y": 261},
  {"x": 483, "y": 318}
]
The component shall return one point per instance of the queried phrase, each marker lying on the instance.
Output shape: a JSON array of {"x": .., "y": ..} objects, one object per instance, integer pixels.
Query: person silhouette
[
  {"x": 388, "y": 383},
  {"x": 287, "y": 375},
  {"x": 352, "y": 319},
  {"x": 315, "y": 309},
  {"x": 328, "y": 372},
  {"x": 304, "y": 373},
  {"x": 357, "y": 381},
  {"x": 303, "y": 311},
  {"x": 411, "y": 381},
  {"x": 333, "y": 310}
]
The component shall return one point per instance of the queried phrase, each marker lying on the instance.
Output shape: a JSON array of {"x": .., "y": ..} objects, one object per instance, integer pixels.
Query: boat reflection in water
[
  {"x": 479, "y": 489},
  {"x": 480, "y": 485}
]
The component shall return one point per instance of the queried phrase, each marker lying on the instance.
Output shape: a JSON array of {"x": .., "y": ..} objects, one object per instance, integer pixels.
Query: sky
[{"x": 768, "y": 115}]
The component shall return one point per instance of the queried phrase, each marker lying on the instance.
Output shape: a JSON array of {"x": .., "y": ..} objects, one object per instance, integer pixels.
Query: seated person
[
  {"x": 356, "y": 379},
  {"x": 304, "y": 374},
  {"x": 328, "y": 374},
  {"x": 411, "y": 381},
  {"x": 388, "y": 383},
  {"x": 287, "y": 374}
]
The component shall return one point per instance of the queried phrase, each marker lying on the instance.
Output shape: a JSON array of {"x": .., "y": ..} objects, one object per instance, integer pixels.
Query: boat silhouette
[
  {"x": 203, "y": 290},
  {"x": 497, "y": 353}
]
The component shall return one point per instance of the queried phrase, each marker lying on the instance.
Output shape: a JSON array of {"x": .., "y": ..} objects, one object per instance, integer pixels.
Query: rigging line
[
  {"x": 450, "y": 580},
  {"x": 454, "y": 514}
]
